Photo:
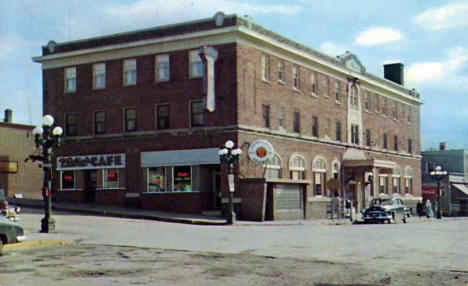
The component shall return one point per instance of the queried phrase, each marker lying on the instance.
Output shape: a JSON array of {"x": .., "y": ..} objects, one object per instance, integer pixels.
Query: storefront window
[
  {"x": 182, "y": 179},
  {"x": 68, "y": 180},
  {"x": 111, "y": 178},
  {"x": 156, "y": 179},
  {"x": 383, "y": 184},
  {"x": 273, "y": 168}
]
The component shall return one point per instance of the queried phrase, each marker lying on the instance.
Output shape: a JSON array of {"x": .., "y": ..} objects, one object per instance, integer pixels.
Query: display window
[
  {"x": 182, "y": 179},
  {"x": 68, "y": 180},
  {"x": 156, "y": 179},
  {"x": 111, "y": 178}
]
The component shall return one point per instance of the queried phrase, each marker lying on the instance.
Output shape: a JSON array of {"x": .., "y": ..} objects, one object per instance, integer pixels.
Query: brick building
[
  {"x": 138, "y": 132},
  {"x": 18, "y": 178}
]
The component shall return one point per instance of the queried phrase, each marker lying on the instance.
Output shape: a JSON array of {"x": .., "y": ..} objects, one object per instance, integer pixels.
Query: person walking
[
  {"x": 419, "y": 208},
  {"x": 429, "y": 212}
]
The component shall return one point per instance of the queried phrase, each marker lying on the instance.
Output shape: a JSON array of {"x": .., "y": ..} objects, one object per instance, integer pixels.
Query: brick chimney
[
  {"x": 395, "y": 73},
  {"x": 8, "y": 116}
]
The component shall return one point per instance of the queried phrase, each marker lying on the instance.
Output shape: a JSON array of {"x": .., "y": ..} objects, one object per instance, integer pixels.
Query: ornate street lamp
[
  {"x": 438, "y": 174},
  {"x": 47, "y": 138},
  {"x": 231, "y": 157}
]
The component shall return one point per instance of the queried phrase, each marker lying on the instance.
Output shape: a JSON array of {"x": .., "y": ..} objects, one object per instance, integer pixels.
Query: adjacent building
[
  {"x": 454, "y": 187},
  {"x": 146, "y": 112},
  {"x": 17, "y": 177}
]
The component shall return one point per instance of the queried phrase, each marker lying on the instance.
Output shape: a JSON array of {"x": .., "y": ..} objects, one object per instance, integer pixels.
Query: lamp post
[
  {"x": 438, "y": 174},
  {"x": 47, "y": 138},
  {"x": 230, "y": 157}
]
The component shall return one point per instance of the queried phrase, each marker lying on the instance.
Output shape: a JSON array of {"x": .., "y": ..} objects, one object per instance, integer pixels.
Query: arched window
[
  {"x": 273, "y": 168},
  {"x": 319, "y": 171},
  {"x": 354, "y": 96},
  {"x": 396, "y": 180},
  {"x": 408, "y": 180},
  {"x": 297, "y": 167},
  {"x": 336, "y": 169}
]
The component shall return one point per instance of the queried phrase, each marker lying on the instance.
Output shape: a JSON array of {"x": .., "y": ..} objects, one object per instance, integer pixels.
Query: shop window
[
  {"x": 162, "y": 68},
  {"x": 297, "y": 167},
  {"x": 99, "y": 76},
  {"x": 130, "y": 72},
  {"x": 182, "y": 179},
  {"x": 70, "y": 80},
  {"x": 197, "y": 116},
  {"x": 273, "y": 168},
  {"x": 195, "y": 64},
  {"x": 162, "y": 116},
  {"x": 396, "y": 180},
  {"x": 319, "y": 170},
  {"x": 383, "y": 183},
  {"x": 68, "y": 180},
  {"x": 156, "y": 179},
  {"x": 110, "y": 178},
  {"x": 70, "y": 124}
]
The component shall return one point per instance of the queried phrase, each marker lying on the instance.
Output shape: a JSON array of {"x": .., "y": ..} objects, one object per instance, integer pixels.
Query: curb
[{"x": 35, "y": 244}]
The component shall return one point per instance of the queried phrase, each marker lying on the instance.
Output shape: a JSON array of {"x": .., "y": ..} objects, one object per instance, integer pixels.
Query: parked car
[
  {"x": 387, "y": 209},
  {"x": 10, "y": 232}
]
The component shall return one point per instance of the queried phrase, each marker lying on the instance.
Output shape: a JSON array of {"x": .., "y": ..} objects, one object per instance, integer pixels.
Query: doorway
[
  {"x": 217, "y": 190},
  {"x": 90, "y": 177}
]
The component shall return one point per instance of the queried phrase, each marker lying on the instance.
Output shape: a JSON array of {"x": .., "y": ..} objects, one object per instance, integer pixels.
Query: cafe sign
[
  {"x": 87, "y": 162},
  {"x": 261, "y": 152}
]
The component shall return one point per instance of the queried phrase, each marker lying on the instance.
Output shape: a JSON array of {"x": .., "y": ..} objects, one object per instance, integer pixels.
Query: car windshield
[{"x": 387, "y": 203}]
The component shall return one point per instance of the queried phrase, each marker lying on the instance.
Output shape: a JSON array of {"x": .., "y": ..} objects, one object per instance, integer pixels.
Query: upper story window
[
  {"x": 70, "y": 124},
  {"x": 313, "y": 83},
  {"x": 367, "y": 101},
  {"x": 368, "y": 137},
  {"x": 377, "y": 103},
  {"x": 195, "y": 64},
  {"x": 196, "y": 114},
  {"x": 337, "y": 92},
  {"x": 326, "y": 86},
  {"x": 338, "y": 131},
  {"x": 410, "y": 146},
  {"x": 430, "y": 166},
  {"x": 130, "y": 119},
  {"x": 395, "y": 142},
  {"x": 162, "y": 68},
  {"x": 162, "y": 116},
  {"x": 281, "y": 75},
  {"x": 266, "y": 115},
  {"x": 385, "y": 141},
  {"x": 130, "y": 72},
  {"x": 295, "y": 77},
  {"x": 265, "y": 67},
  {"x": 99, "y": 122},
  {"x": 354, "y": 97},
  {"x": 70, "y": 79},
  {"x": 395, "y": 110},
  {"x": 384, "y": 107},
  {"x": 297, "y": 167},
  {"x": 99, "y": 76},
  {"x": 315, "y": 126},
  {"x": 297, "y": 122},
  {"x": 409, "y": 114},
  {"x": 282, "y": 114},
  {"x": 354, "y": 134}
]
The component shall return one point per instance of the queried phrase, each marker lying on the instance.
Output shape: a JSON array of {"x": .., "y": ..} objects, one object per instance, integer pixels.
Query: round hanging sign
[{"x": 261, "y": 151}]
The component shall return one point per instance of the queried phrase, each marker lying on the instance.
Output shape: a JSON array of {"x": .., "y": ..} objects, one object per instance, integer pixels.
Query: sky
[{"x": 428, "y": 36}]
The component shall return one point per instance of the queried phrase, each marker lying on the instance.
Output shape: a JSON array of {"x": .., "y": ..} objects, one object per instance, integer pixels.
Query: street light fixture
[
  {"x": 438, "y": 174},
  {"x": 47, "y": 138},
  {"x": 231, "y": 157}
]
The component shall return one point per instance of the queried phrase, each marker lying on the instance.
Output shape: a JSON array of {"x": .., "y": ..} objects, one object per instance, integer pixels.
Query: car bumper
[{"x": 20, "y": 238}]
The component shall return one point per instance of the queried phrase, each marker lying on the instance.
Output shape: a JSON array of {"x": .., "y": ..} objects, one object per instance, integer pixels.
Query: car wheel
[{"x": 404, "y": 218}]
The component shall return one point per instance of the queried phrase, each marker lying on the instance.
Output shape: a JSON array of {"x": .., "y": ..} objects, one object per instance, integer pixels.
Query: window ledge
[
  {"x": 99, "y": 88},
  {"x": 326, "y": 95},
  {"x": 129, "y": 84},
  {"x": 314, "y": 95},
  {"x": 66, "y": 190},
  {"x": 295, "y": 89},
  {"x": 110, "y": 189},
  {"x": 337, "y": 102},
  {"x": 265, "y": 80},
  {"x": 161, "y": 80},
  {"x": 281, "y": 82},
  {"x": 367, "y": 111}
]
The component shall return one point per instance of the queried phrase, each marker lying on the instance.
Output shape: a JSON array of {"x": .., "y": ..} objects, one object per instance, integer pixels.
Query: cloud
[
  {"x": 446, "y": 72},
  {"x": 377, "y": 36},
  {"x": 445, "y": 17},
  {"x": 332, "y": 48}
]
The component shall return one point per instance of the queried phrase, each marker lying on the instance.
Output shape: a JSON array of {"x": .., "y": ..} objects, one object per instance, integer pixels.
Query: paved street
[{"x": 421, "y": 249}]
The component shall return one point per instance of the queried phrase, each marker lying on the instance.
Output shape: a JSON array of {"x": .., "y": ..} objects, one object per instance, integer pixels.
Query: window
[
  {"x": 315, "y": 126},
  {"x": 266, "y": 115},
  {"x": 385, "y": 143},
  {"x": 297, "y": 167},
  {"x": 368, "y": 137},
  {"x": 68, "y": 180},
  {"x": 265, "y": 67},
  {"x": 384, "y": 107},
  {"x": 130, "y": 119},
  {"x": 130, "y": 72},
  {"x": 337, "y": 92},
  {"x": 367, "y": 101},
  {"x": 162, "y": 68},
  {"x": 377, "y": 103},
  {"x": 162, "y": 116},
  {"x": 70, "y": 80},
  {"x": 182, "y": 179},
  {"x": 410, "y": 146},
  {"x": 297, "y": 122},
  {"x": 273, "y": 168},
  {"x": 336, "y": 169},
  {"x": 395, "y": 110},
  {"x": 195, "y": 64},
  {"x": 111, "y": 178},
  {"x": 281, "y": 75},
  {"x": 282, "y": 114},
  {"x": 395, "y": 142},
  {"x": 156, "y": 179},
  {"x": 354, "y": 134},
  {"x": 326, "y": 86},
  {"x": 196, "y": 114},
  {"x": 408, "y": 180},
  {"x": 99, "y": 76},
  {"x": 409, "y": 114},
  {"x": 295, "y": 77},
  {"x": 430, "y": 166},
  {"x": 70, "y": 125},
  {"x": 319, "y": 171},
  {"x": 338, "y": 131},
  {"x": 313, "y": 83},
  {"x": 354, "y": 97},
  {"x": 396, "y": 181},
  {"x": 383, "y": 184},
  {"x": 99, "y": 122}
]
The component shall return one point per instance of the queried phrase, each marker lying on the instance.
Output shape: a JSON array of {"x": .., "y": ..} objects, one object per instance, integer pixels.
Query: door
[
  {"x": 217, "y": 190},
  {"x": 90, "y": 185}
]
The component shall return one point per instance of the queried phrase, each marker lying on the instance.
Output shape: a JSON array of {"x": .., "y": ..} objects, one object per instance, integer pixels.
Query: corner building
[{"x": 137, "y": 131}]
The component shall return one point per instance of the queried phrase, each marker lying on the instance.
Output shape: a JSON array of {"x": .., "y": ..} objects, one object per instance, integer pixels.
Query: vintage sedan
[
  {"x": 386, "y": 209},
  {"x": 10, "y": 232}
]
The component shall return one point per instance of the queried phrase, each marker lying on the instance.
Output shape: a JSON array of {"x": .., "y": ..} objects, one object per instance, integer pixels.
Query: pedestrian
[
  {"x": 419, "y": 208},
  {"x": 429, "y": 212}
]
